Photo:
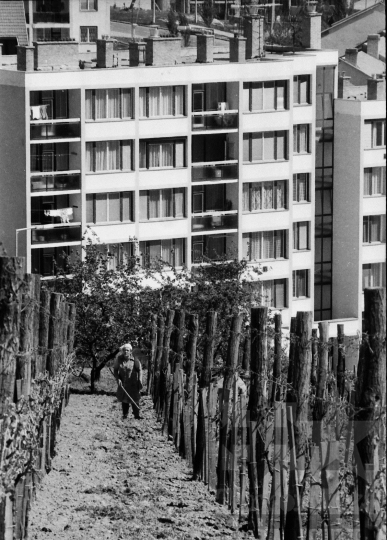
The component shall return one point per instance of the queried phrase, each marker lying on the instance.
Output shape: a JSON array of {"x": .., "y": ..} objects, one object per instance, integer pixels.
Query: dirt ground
[{"x": 121, "y": 479}]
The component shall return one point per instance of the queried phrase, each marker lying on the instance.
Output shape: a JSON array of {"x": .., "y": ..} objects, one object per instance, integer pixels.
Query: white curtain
[
  {"x": 113, "y": 106},
  {"x": 179, "y": 154},
  {"x": 303, "y": 235},
  {"x": 303, "y": 141},
  {"x": 256, "y": 246},
  {"x": 154, "y": 155},
  {"x": 166, "y": 155},
  {"x": 179, "y": 202},
  {"x": 257, "y": 147},
  {"x": 126, "y": 150},
  {"x": 280, "y": 94},
  {"x": 302, "y": 188},
  {"x": 166, "y": 203},
  {"x": 280, "y": 293},
  {"x": 154, "y": 101},
  {"x": 257, "y": 96},
  {"x": 303, "y": 82},
  {"x": 101, "y": 156},
  {"x": 166, "y": 100},
  {"x": 269, "y": 96},
  {"x": 166, "y": 251},
  {"x": 154, "y": 203},
  {"x": 126, "y": 198},
  {"x": 268, "y": 146},
  {"x": 126, "y": 103},
  {"x": 256, "y": 196},
  {"x": 101, "y": 208},
  {"x": 280, "y": 143},
  {"x": 89, "y": 157},
  {"x": 267, "y": 293},
  {"x": 143, "y": 100},
  {"x": 114, "y": 207},
  {"x": 280, "y": 194},
  {"x": 179, "y": 100},
  {"x": 279, "y": 237},
  {"x": 100, "y": 104},
  {"x": 178, "y": 251},
  {"x": 113, "y": 155},
  {"x": 246, "y": 198},
  {"x": 268, "y": 198},
  {"x": 267, "y": 245},
  {"x": 89, "y": 105}
]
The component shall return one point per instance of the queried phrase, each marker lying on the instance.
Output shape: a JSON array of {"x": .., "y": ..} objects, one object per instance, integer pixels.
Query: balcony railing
[
  {"x": 214, "y": 222},
  {"x": 51, "y": 17},
  {"x": 65, "y": 130},
  {"x": 56, "y": 235},
  {"x": 214, "y": 120},
  {"x": 60, "y": 182},
  {"x": 215, "y": 172},
  {"x": 51, "y": 162}
]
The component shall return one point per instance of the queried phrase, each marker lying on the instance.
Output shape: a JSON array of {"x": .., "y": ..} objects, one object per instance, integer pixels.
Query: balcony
[
  {"x": 60, "y": 182},
  {"x": 215, "y": 172},
  {"x": 56, "y": 235},
  {"x": 214, "y": 120},
  {"x": 51, "y": 17},
  {"x": 62, "y": 130},
  {"x": 214, "y": 222}
]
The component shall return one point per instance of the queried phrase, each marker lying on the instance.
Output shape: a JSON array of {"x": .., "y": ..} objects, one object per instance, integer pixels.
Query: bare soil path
[{"x": 121, "y": 479}]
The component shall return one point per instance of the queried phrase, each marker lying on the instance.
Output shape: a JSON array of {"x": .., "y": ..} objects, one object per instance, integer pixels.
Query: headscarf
[{"x": 129, "y": 345}]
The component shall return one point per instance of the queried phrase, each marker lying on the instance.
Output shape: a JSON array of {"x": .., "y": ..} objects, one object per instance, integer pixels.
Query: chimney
[
  {"x": 373, "y": 45},
  {"x": 25, "y": 58},
  {"x": 254, "y": 33},
  {"x": 205, "y": 48},
  {"x": 344, "y": 83},
  {"x": 351, "y": 56},
  {"x": 105, "y": 53},
  {"x": 162, "y": 51},
  {"x": 137, "y": 52},
  {"x": 311, "y": 31},
  {"x": 237, "y": 49},
  {"x": 376, "y": 88}
]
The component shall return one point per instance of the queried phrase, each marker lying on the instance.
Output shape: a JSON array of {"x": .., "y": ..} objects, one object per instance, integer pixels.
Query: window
[
  {"x": 374, "y": 181},
  {"x": 301, "y": 90},
  {"x": 51, "y": 157},
  {"x": 170, "y": 251},
  {"x": 301, "y": 187},
  {"x": 374, "y": 275},
  {"x": 273, "y": 293},
  {"x": 264, "y": 245},
  {"x": 301, "y": 235},
  {"x": 89, "y": 5},
  {"x": 108, "y": 156},
  {"x": 374, "y": 229},
  {"x": 49, "y": 105},
  {"x": 162, "y": 101},
  {"x": 117, "y": 254},
  {"x": 51, "y": 34},
  {"x": 300, "y": 283},
  {"x": 265, "y": 146},
  {"x": 162, "y": 203},
  {"x": 374, "y": 133},
  {"x": 301, "y": 139},
  {"x": 259, "y": 196},
  {"x": 109, "y": 103},
  {"x": 162, "y": 153},
  {"x": 89, "y": 34},
  {"x": 269, "y": 96},
  {"x": 105, "y": 207}
]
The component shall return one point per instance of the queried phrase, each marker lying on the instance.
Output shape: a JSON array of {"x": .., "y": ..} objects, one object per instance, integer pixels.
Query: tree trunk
[
  {"x": 276, "y": 388},
  {"x": 320, "y": 407}
]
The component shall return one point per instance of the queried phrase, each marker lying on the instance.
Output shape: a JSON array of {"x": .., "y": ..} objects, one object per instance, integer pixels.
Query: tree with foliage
[
  {"x": 172, "y": 22},
  {"x": 208, "y": 12},
  {"x": 113, "y": 305}
]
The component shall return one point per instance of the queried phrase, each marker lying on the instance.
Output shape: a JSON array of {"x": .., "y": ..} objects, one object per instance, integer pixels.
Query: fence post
[
  {"x": 177, "y": 339},
  {"x": 293, "y": 526},
  {"x": 11, "y": 285},
  {"x": 340, "y": 360},
  {"x": 151, "y": 361},
  {"x": 230, "y": 368},
  {"x": 71, "y": 328},
  {"x": 313, "y": 371},
  {"x": 165, "y": 364},
  {"x": 55, "y": 332},
  {"x": 292, "y": 351},
  {"x": 370, "y": 399},
  {"x": 44, "y": 325},
  {"x": 159, "y": 353},
  {"x": 257, "y": 401},
  {"x": 35, "y": 324},
  {"x": 276, "y": 388},
  {"x": 320, "y": 409},
  {"x": 204, "y": 382},
  {"x": 23, "y": 360}
]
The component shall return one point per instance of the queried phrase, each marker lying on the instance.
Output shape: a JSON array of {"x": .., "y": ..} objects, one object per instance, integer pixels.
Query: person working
[{"x": 128, "y": 372}]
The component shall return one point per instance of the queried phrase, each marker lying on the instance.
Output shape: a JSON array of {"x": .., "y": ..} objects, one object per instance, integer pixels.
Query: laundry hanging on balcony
[
  {"x": 65, "y": 214},
  {"x": 39, "y": 112}
]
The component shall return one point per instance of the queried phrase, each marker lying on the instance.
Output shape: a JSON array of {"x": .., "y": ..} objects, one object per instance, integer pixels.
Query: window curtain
[
  {"x": 126, "y": 151},
  {"x": 126, "y": 199},
  {"x": 302, "y": 235},
  {"x": 268, "y": 198},
  {"x": 143, "y": 100},
  {"x": 154, "y": 101},
  {"x": 246, "y": 97},
  {"x": 295, "y": 140},
  {"x": 143, "y": 153},
  {"x": 280, "y": 293},
  {"x": 246, "y": 147},
  {"x": 303, "y": 85},
  {"x": 166, "y": 155},
  {"x": 280, "y": 95},
  {"x": 303, "y": 140},
  {"x": 296, "y": 99},
  {"x": 179, "y": 202},
  {"x": 257, "y": 147},
  {"x": 269, "y": 95},
  {"x": 367, "y": 135},
  {"x": 113, "y": 155},
  {"x": 89, "y": 209},
  {"x": 101, "y": 208},
  {"x": 89, "y": 105},
  {"x": 166, "y": 100},
  {"x": 113, "y": 103},
  {"x": 166, "y": 203},
  {"x": 365, "y": 230},
  {"x": 179, "y": 251},
  {"x": 89, "y": 157},
  {"x": 100, "y": 104},
  {"x": 114, "y": 207},
  {"x": 280, "y": 194},
  {"x": 154, "y": 203},
  {"x": 368, "y": 183},
  {"x": 267, "y": 293},
  {"x": 179, "y": 154},
  {"x": 374, "y": 228},
  {"x": 246, "y": 198},
  {"x": 267, "y": 245},
  {"x": 179, "y": 100},
  {"x": 256, "y": 246},
  {"x": 166, "y": 251},
  {"x": 257, "y": 96},
  {"x": 256, "y": 196},
  {"x": 302, "y": 188},
  {"x": 268, "y": 150},
  {"x": 279, "y": 244},
  {"x": 154, "y": 155},
  {"x": 126, "y": 103}
]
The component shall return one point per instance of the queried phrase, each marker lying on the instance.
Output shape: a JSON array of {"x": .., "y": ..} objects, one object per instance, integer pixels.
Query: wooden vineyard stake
[
  {"x": 175, "y": 403},
  {"x": 8, "y": 519},
  {"x": 348, "y": 438},
  {"x": 313, "y": 371},
  {"x": 193, "y": 414},
  {"x": 165, "y": 360},
  {"x": 11, "y": 283},
  {"x": 230, "y": 368},
  {"x": 177, "y": 338},
  {"x": 356, "y": 513},
  {"x": 314, "y": 509},
  {"x": 292, "y": 351},
  {"x": 276, "y": 389},
  {"x": 340, "y": 360},
  {"x": 330, "y": 482},
  {"x": 193, "y": 331},
  {"x": 24, "y": 359},
  {"x": 44, "y": 325},
  {"x": 212, "y": 453},
  {"x": 152, "y": 353},
  {"x": 320, "y": 408},
  {"x": 275, "y": 498},
  {"x": 204, "y": 396},
  {"x": 293, "y": 526},
  {"x": 253, "y": 478},
  {"x": 187, "y": 433},
  {"x": 180, "y": 395},
  {"x": 157, "y": 364},
  {"x": 284, "y": 466},
  {"x": 54, "y": 332},
  {"x": 168, "y": 398},
  {"x": 243, "y": 424},
  {"x": 233, "y": 449}
]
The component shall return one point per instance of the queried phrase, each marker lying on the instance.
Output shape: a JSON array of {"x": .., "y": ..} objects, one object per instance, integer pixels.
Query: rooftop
[{"x": 13, "y": 21}]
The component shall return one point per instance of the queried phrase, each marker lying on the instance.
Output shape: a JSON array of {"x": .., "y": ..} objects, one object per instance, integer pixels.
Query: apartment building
[
  {"x": 359, "y": 199},
  {"x": 210, "y": 155},
  {"x": 84, "y": 21}
]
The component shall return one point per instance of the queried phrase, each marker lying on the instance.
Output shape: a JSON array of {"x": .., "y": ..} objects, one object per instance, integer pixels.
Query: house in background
[{"x": 13, "y": 30}]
